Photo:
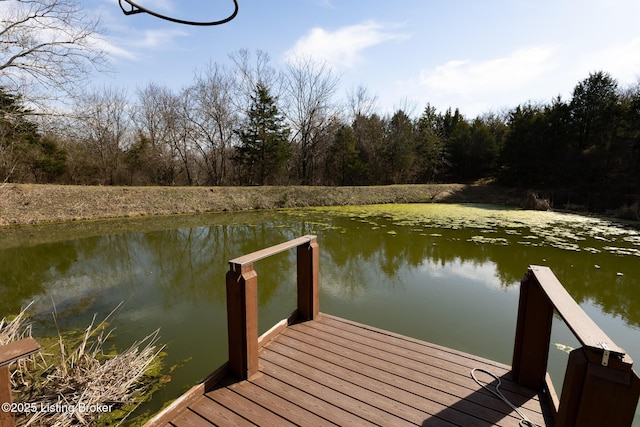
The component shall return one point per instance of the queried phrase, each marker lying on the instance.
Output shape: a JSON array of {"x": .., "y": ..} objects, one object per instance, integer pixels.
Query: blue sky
[{"x": 478, "y": 56}]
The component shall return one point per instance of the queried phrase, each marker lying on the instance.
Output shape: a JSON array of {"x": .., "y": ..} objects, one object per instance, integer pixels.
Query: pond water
[{"x": 447, "y": 274}]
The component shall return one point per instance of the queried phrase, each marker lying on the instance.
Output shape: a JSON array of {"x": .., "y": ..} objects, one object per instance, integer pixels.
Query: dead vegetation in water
[
  {"x": 536, "y": 203},
  {"x": 629, "y": 211},
  {"x": 15, "y": 328},
  {"x": 76, "y": 381}
]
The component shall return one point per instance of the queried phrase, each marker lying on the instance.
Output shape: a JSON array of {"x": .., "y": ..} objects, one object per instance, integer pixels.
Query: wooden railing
[
  {"x": 10, "y": 353},
  {"x": 600, "y": 387},
  {"x": 242, "y": 300}
]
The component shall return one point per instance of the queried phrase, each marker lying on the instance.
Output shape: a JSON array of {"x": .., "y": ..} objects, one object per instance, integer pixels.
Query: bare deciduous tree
[
  {"x": 361, "y": 102},
  {"x": 250, "y": 72},
  {"x": 47, "y": 46},
  {"x": 181, "y": 134},
  {"x": 310, "y": 86},
  {"x": 154, "y": 119},
  {"x": 213, "y": 120},
  {"x": 104, "y": 121}
]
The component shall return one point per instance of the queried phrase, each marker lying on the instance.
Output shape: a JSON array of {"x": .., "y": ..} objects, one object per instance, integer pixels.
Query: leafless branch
[{"x": 48, "y": 47}]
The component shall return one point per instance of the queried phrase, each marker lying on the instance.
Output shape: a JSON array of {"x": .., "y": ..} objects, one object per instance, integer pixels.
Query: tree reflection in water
[{"x": 409, "y": 268}]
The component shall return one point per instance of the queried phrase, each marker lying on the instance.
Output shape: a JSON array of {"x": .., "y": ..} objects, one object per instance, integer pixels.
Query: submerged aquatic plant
[{"x": 563, "y": 347}]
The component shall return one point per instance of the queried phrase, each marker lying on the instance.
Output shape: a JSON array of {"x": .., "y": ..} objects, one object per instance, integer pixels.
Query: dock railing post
[
  {"x": 242, "y": 300},
  {"x": 6, "y": 417},
  {"x": 594, "y": 394},
  {"x": 308, "y": 256},
  {"x": 10, "y": 353},
  {"x": 600, "y": 387},
  {"x": 533, "y": 334},
  {"x": 242, "y": 319}
]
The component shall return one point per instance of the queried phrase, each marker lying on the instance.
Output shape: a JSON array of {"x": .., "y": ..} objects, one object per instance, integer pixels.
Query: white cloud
[
  {"x": 112, "y": 49},
  {"x": 470, "y": 78},
  {"x": 621, "y": 60},
  {"x": 125, "y": 39},
  {"x": 342, "y": 47},
  {"x": 157, "y": 39},
  {"x": 138, "y": 43}
]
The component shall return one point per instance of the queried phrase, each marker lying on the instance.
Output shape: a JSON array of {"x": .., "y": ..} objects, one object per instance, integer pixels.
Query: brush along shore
[
  {"x": 76, "y": 380},
  {"x": 34, "y": 204}
]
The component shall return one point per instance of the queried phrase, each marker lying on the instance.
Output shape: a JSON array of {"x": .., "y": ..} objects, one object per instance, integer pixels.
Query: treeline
[{"x": 249, "y": 124}]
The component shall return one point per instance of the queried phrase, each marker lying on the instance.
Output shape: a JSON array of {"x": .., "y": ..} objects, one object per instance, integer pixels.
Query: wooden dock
[
  {"x": 314, "y": 369},
  {"x": 331, "y": 371}
]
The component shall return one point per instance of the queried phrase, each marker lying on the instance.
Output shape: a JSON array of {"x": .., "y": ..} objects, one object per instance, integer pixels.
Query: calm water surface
[{"x": 448, "y": 274}]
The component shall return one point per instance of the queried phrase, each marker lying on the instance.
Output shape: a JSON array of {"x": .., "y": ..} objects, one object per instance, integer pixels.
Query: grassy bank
[{"x": 34, "y": 204}]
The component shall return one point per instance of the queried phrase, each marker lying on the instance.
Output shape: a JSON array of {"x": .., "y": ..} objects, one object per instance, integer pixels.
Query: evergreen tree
[
  {"x": 343, "y": 162},
  {"x": 430, "y": 149},
  {"x": 523, "y": 147},
  {"x": 594, "y": 110},
  {"x": 24, "y": 153},
  {"x": 368, "y": 132},
  {"x": 536, "y": 150},
  {"x": 595, "y": 114},
  {"x": 399, "y": 150},
  {"x": 627, "y": 147},
  {"x": 264, "y": 141}
]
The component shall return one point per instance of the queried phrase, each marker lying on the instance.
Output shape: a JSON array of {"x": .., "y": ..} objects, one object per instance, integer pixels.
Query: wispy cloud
[
  {"x": 125, "y": 40},
  {"x": 470, "y": 77},
  {"x": 342, "y": 47},
  {"x": 621, "y": 60},
  {"x": 112, "y": 49},
  {"x": 156, "y": 39},
  {"x": 138, "y": 43}
]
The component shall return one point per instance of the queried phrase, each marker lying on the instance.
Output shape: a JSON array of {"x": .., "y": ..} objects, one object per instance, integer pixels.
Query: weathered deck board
[
  {"x": 210, "y": 409},
  {"x": 407, "y": 356},
  {"x": 424, "y": 397},
  {"x": 332, "y": 371},
  {"x": 190, "y": 419}
]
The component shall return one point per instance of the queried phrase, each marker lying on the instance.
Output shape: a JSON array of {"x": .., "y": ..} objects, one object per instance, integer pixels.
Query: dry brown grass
[
  {"x": 16, "y": 328},
  {"x": 77, "y": 383},
  {"x": 32, "y": 204}
]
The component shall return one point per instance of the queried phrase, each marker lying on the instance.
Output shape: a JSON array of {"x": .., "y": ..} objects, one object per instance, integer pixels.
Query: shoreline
[{"x": 24, "y": 204}]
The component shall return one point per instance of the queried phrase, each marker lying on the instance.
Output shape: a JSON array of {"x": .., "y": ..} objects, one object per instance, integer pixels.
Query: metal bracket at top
[{"x": 605, "y": 354}]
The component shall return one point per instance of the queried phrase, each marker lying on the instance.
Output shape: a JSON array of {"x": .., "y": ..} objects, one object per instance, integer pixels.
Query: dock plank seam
[
  {"x": 381, "y": 348},
  {"x": 246, "y": 408},
  {"x": 312, "y": 403},
  {"x": 410, "y": 366},
  {"x": 413, "y": 344},
  {"x": 278, "y": 404},
  {"x": 334, "y": 397},
  {"x": 394, "y": 375},
  {"x": 212, "y": 410},
  {"x": 425, "y": 405},
  {"x": 401, "y": 402}
]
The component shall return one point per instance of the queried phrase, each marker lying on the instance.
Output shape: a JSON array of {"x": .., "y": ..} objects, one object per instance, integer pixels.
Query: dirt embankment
[{"x": 33, "y": 204}]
